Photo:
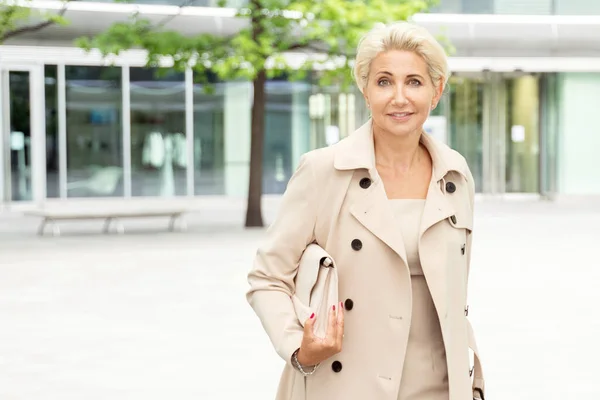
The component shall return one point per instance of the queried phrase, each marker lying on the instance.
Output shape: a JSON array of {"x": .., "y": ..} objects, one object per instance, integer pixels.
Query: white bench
[{"x": 109, "y": 216}]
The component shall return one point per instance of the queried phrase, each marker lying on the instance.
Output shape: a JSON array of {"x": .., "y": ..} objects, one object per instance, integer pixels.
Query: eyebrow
[{"x": 409, "y": 76}]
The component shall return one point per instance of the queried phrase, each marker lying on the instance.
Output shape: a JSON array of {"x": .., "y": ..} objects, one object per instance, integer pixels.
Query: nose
[{"x": 400, "y": 95}]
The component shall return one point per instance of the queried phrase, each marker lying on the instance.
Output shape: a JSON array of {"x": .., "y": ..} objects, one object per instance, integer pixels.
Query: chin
[{"x": 401, "y": 130}]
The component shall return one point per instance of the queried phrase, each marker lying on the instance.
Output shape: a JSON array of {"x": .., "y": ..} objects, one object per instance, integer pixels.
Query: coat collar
[{"x": 358, "y": 151}]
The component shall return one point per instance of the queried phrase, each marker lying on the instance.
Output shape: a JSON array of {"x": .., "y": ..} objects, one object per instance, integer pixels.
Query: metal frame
[
  {"x": 61, "y": 87},
  {"x": 189, "y": 130},
  {"x": 126, "y": 129}
]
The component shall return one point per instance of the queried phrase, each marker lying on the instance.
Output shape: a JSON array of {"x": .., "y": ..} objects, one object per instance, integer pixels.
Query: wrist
[
  {"x": 300, "y": 366},
  {"x": 300, "y": 357}
]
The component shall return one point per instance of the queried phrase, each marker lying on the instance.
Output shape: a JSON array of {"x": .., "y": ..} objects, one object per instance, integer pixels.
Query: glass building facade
[
  {"x": 123, "y": 132},
  {"x": 74, "y": 126},
  {"x": 516, "y": 7}
]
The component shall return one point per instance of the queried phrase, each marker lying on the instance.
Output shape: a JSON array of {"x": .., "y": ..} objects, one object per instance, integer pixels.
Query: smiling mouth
[{"x": 400, "y": 115}]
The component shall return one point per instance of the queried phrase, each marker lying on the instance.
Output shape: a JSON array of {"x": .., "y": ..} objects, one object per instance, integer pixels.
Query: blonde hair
[{"x": 400, "y": 36}]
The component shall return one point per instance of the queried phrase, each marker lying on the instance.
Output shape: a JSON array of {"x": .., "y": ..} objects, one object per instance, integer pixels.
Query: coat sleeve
[{"x": 272, "y": 276}]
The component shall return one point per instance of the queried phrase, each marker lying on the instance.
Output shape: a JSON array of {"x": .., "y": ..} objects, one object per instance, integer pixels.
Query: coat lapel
[
  {"x": 369, "y": 206},
  {"x": 437, "y": 207},
  {"x": 372, "y": 210},
  {"x": 433, "y": 250}
]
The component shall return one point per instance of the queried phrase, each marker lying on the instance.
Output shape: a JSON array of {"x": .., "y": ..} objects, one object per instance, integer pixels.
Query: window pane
[
  {"x": 19, "y": 153},
  {"x": 94, "y": 135},
  {"x": 209, "y": 144},
  {"x": 466, "y": 123},
  {"x": 158, "y": 143},
  {"x": 522, "y": 135},
  {"x": 277, "y": 156},
  {"x": 52, "y": 189}
]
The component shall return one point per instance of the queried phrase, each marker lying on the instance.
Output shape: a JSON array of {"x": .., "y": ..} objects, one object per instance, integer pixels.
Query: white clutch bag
[{"x": 316, "y": 287}]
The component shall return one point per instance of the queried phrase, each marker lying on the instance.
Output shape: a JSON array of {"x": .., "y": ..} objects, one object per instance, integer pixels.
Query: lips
[{"x": 400, "y": 115}]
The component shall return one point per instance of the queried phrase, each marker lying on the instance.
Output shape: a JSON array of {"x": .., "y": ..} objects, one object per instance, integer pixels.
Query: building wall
[
  {"x": 579, "y": 138},
  {"x": 531, "y": 7},
  {"x": 577, "y": 7},
  {"x": 526, "y": 7}
]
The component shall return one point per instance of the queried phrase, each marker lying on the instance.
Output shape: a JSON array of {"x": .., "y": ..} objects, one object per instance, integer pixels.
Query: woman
[{"x": 394, "y": 208}]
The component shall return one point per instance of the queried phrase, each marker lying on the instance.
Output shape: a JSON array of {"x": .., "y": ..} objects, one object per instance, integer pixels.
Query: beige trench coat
[{"x": 336, "y": 198}]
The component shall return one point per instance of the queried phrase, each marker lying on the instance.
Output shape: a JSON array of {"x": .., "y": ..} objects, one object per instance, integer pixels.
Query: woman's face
[{"x": 400, "y": 93}]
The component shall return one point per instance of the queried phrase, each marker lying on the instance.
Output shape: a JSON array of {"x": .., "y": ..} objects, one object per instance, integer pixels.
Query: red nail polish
[
  {"x": 341, "y": 305},
  {"x": 334, "y": 308},
  {"x": 312, "y": 315}
]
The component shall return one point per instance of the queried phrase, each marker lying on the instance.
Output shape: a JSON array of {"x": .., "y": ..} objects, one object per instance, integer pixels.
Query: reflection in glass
[
  {"x": 158, "y": 141},
  {"x": 549, "y": 131},
  {"x": 466, "y": 123},
  {"x": 287, "y": 131},
  {"x": 209, "y": 144},
  {"x": 94, "y": 136},
  {"x": 278, "y": 137},
  {"x": 20, "y": 136},
  {"x": 52, "y": 184},
  {"x": 522, "y": 135}
]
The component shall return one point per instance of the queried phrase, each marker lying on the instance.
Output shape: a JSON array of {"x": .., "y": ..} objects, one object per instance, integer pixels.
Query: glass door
[
  {"x": 512, "y": 133},
  {"x": 494, "y": 123},
  {"x": 465, "y": 115},
  {"x": 22, "y": 133},
  {"x": 523, "y": 135}
]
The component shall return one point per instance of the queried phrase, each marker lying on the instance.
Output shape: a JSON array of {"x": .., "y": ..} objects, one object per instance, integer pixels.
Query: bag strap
[{"x": 478, "y": 381}]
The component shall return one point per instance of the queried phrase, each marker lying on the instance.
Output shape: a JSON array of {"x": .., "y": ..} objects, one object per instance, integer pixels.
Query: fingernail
[
  {"x": 334, "y": 307},
  {"x": 341, "y": 305},
  {"x": 312, "y": 315}
]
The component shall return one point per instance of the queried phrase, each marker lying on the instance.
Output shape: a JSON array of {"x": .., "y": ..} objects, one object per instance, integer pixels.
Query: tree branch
[
  {"x": 34, "y": 27},
  {"x": 313, "y": 47},
  {"x": 319, "y": 48}
]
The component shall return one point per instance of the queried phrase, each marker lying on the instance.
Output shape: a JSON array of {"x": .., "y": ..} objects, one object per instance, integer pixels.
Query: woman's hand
[{"x": 313, "y": 349}]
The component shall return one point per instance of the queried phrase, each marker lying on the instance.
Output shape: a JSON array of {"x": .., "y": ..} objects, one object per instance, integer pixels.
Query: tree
[
  {"x": 325, "y": 31},
  {"x": 17, "y": 18}
]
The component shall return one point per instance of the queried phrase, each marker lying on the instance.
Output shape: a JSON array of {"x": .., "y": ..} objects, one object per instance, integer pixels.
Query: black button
[
  {"x": 348, "y": 304},
  {"x": 365, "y": 183},
  {"x": 336, "y": 366},
  {"x": 356, "y": 244},
  {"x": 450, "y": 187},
  {"x": 453, "y": 219},
  {"x": 462, "y": 249}
]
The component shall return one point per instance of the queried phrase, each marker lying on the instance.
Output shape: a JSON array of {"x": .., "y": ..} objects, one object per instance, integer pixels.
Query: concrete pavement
[{"x": 155, "y": 315}]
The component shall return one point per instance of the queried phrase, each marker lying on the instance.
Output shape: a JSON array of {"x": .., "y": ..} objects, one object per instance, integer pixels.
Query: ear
[{"x": 439, "y": 90}]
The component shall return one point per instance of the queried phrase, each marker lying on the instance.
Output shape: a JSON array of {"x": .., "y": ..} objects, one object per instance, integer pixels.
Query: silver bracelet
[{"x": 299, "y": 367}]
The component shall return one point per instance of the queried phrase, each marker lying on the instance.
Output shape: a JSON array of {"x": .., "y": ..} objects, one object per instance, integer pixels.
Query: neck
[{"x": 397, "y": 153}]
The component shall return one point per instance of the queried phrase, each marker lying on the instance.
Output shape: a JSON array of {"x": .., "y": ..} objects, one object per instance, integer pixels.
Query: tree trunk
[{"x": 254, "y": 209}]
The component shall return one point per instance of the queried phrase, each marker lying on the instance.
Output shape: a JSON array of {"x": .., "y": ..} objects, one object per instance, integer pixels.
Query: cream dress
[{"x": 425, "y": 375}]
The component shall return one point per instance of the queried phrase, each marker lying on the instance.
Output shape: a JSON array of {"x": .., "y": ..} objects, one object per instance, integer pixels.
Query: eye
[
  {"x": 383, "y": 82},
  {"x": 415, "y": 82}
]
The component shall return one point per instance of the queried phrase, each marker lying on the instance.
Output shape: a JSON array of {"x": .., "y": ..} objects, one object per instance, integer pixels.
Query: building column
[{"x": 237, "y": 116}]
